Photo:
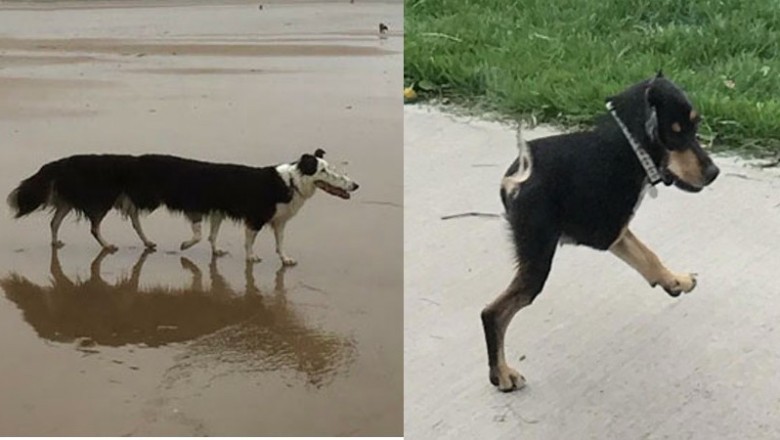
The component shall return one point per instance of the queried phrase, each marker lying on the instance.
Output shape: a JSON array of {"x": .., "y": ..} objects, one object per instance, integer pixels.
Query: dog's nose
[
  {"x": 355, "y": 186},
  {"x": 710, "y": 173}
]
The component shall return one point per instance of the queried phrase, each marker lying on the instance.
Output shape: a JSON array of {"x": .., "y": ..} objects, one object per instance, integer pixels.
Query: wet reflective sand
[{"x": 179, "y": 343}]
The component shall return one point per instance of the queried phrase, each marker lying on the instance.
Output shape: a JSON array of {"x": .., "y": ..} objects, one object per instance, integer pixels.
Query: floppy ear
[
  {"x": 320, "y": 153},
  {"x": 308, "y": 164}
]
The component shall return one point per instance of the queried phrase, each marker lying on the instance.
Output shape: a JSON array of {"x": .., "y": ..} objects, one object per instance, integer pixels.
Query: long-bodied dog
[
  {"x": 91, "y": 185},
  {"x": 584, "y": 187}
]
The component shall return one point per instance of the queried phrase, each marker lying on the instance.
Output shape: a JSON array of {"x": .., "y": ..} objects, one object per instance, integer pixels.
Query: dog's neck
[
  {"x": 293, "y": 180},
  {"x": 653, "y": 166}
]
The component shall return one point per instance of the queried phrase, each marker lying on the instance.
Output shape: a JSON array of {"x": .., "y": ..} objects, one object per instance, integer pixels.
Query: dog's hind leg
[
  {"x": 278, "y": 228},
  {"x": 629, "y": 249},
  {"x": 249, "y": 243},
  {"x": 196, "y": 221},
  {"x": 136, "y": 221},
  {"x": 214, "y": 222},
  {"x": 527, "y": 283},
  {"x": 95, "y": 219},
  {"x": 60, "y": 213}
]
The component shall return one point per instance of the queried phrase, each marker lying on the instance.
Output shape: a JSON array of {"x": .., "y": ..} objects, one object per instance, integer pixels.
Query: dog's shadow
[{"x": 259, "y": 332}]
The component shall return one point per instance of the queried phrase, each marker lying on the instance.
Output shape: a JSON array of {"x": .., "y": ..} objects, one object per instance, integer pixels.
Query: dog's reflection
[{"x": 261, "y": 332}]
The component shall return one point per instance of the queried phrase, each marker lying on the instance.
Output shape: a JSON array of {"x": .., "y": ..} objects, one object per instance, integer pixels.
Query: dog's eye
[{"x": 676, "y": 127}]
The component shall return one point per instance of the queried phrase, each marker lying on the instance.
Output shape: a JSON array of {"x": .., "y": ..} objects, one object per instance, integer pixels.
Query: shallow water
[{"x": 177, "y": 343}]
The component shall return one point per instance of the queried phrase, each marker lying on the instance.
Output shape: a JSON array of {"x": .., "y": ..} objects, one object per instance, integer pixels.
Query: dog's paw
[
  {"x": 287, "y": 261},
  {"x": 679, "y": 283},
  {"x": 57, "y": 244},
  {"x": 506, "y": 379}
]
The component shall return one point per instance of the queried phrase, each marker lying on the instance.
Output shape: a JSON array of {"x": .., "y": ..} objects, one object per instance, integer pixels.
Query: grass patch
[{"x": 556, "y": 60}]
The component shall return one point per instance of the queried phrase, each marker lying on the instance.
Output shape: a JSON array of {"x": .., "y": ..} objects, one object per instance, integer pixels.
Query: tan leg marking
[
  {"x": 629, "y": 249},
  {"x": 505, "y": 307}
]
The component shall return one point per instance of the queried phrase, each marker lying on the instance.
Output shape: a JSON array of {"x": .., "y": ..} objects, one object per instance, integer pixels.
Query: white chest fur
[{"x": 284, "y": 211}]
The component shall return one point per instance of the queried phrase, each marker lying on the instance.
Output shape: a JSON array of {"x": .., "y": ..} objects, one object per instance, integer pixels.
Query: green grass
[{"x": 556, "y": 60}]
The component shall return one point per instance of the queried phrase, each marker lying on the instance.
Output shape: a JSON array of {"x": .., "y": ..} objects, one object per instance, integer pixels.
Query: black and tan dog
[{"x": 584, "y": 187}]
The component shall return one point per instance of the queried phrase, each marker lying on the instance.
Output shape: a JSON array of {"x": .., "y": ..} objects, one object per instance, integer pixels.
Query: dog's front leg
[
  {"x": 629, "y": 249},
  {"x": 249, "y": 243},
  {"x": 278, "y": 228}
]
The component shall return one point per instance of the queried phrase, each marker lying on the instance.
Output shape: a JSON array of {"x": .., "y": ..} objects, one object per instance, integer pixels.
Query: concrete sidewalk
[{"x": 605, "y": 355}]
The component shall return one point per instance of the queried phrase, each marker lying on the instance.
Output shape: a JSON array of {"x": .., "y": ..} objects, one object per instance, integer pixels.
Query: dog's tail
[
  {"x": 33, "y": 193},
  {"x": 524, "y": 166}
]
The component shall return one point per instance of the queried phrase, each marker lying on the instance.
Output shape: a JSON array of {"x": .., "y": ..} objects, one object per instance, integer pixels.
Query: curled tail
[
  {"x": 524, "y": 166},
  {"x": 33, "y": 193}
]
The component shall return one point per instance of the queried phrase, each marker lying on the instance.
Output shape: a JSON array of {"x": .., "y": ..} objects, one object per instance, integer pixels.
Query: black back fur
[{"x": 93, "y": 184}]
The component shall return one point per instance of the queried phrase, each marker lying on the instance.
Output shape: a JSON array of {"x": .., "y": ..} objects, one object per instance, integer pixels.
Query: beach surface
[{"x": 172, "y": 342}]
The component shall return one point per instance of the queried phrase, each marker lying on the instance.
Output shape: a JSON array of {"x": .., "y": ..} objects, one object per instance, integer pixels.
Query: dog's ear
[
  {"x": 652, "y": 94},
  {"x": 308, "y": 164},
  {"x": 651, "y": 123},
  {"x": 320, "y": 153}
]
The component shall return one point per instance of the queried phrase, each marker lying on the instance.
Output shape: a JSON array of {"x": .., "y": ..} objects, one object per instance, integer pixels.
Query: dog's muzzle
[{"x": 336, "y": 191}]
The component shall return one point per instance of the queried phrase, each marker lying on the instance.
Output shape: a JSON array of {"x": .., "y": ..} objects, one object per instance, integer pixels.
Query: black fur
[
  {"x": 586, "y": 185},
  {"x": 583, "y": 187},
  {"x": 92, "y": 185}
]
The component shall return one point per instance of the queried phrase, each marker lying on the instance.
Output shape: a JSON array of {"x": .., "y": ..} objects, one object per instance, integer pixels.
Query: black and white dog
[{"x": 92, "y": 185}]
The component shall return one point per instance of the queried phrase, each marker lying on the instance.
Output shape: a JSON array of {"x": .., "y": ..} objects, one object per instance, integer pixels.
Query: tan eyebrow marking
[{"x": 676, "y": 127}]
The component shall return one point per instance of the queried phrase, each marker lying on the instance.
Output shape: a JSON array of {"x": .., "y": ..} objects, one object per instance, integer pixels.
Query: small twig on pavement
[
  {"x": 773, "y": 163},
  {"x": 470, "y": 214}
]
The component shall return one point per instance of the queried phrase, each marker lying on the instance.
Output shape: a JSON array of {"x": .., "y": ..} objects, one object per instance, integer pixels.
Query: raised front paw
[
  {"x": 679, "y": 283},
  {"x": 506, "y": 379}
]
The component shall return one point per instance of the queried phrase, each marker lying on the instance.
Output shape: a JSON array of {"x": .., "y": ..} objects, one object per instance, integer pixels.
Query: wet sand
[{"x": 176, "y": 343}]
